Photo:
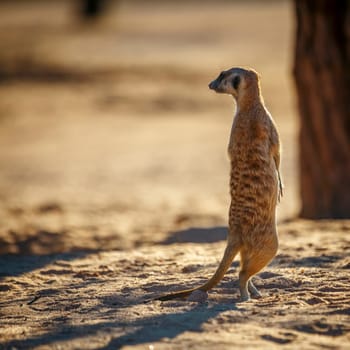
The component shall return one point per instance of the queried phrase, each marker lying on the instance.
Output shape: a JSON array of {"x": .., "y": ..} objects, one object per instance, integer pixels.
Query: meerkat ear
[{"x": 235, "y": 81}]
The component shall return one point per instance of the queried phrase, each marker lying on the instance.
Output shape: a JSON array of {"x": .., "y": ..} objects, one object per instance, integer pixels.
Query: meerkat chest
[
  {"x": 243, "y": 145},
  {"x": 253, "y": 172}
]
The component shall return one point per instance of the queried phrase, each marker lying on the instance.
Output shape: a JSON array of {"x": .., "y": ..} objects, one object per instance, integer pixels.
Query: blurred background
[{"x": 109, "y": 136}]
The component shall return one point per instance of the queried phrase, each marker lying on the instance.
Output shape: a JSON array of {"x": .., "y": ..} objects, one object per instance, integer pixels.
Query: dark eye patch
[{"x": 235, "y": 82}]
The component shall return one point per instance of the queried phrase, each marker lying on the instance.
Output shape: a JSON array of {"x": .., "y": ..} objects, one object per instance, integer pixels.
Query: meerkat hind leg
[
  {"x": 243, "y": 286},
  {"x": 247, "y": 288},
  {"x": 253, "y": 291},
  {"x": 250, "y": 266}
]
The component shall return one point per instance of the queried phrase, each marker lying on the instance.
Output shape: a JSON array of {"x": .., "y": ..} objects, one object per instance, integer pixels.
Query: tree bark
[{"x": 322, "y": 76}]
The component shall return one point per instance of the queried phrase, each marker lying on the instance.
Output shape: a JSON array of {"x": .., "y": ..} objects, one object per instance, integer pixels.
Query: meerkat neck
[{"x": 250, "y": 99}]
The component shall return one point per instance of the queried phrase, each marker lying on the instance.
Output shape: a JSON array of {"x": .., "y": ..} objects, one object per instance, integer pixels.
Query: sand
[
  {"x": 103, "y": 300},
  {"x": 114, "y": 184}
]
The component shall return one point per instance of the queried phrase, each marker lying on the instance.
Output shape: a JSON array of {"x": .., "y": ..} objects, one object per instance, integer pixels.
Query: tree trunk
[{"x": 322, "y": 76}]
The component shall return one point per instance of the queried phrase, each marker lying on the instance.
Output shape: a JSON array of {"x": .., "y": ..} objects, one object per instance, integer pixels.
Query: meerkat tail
[
  {"x": 180, "y": 294},
  {"x": 231, "y": 251}
]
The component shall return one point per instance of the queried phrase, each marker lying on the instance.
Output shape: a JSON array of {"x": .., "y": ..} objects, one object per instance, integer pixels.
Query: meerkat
[{"x": 255, "y": 184}]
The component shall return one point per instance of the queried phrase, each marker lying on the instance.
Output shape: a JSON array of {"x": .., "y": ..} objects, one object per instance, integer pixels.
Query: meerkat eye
[{"x": 235, "y": 82}]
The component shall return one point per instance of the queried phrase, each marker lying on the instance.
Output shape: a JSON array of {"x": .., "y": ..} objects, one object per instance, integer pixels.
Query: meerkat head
[{"x": 236, "y": 82}]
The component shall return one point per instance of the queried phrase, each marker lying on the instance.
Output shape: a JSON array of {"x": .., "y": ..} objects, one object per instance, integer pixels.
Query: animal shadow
[{"x": 197, "y": 235}]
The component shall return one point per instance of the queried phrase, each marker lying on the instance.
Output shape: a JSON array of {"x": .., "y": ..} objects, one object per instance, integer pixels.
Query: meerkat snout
[
  {"x": 216, "y": 84},
  {"x": 212, "y": 85}
]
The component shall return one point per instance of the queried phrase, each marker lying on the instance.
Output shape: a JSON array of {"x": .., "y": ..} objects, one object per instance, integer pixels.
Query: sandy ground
[
  {"x": 114, "y": 184},
  {"x": 99, "y": 300}
]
